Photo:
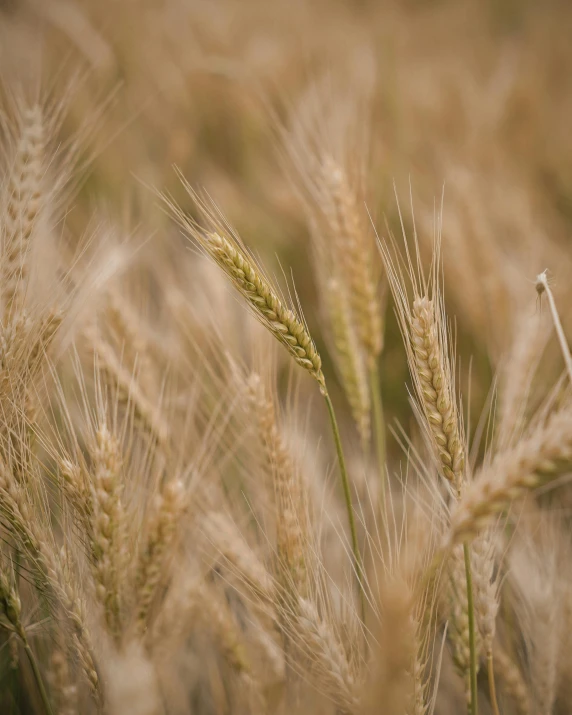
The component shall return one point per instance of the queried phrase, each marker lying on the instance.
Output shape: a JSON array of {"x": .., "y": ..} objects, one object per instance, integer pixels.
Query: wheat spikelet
[
  {"x": 81, "y": 637},
  {"x": 458, "y": 617},
  {"x": 486, "y": 589},
  {"x": 280, "y": 320},
  {"x": 233, "y": 549},
  {"x": 292, "y": 527},
  {"x": 75, "y": 484},
  {"x": 349, "y": 358},
  {"x": 534, "y": 460},
  {"x": 512, "y": 681},
  {"x": 10, "y": 604},
  {"x": 397, "y": 669},
  {"x": 128, "y": 389},
  {"x": 157, "y": 547},
  {"x": 534, "y": 563},
  {"x": 260, "y": 295},
  {"x": 356, "y": 255},
  {"x": 331, "y": 671},
  {"x": 422, "y": 322},
  {"x": 421, "y": 598},
  {"x": 126, "y": 325},
  {"x": 530, "y": 338},
  {"x": 228, "y": 637},
  {"x": 107, "y": 525},
  {"x": 15, "y": 504},
  {"x": 23, "y": 203},
  {"x": 417, "y": 701},
  {"x": 327, "y": 148},
  {"x": 436, "y": 389},
  {"x": 62, "y": 685},
  {"x": 215, "y": 613}
]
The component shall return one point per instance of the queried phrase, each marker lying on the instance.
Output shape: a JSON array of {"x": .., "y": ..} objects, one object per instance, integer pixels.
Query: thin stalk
[
  {"x": 543, "y": 287},
  {"x": 492, "y": 687},
  {"x": 379, "y": 428},
  {"x": 348, "y": 500},
  {"x": 472, "y": 645},
  {"x": 38, "y": 677}
]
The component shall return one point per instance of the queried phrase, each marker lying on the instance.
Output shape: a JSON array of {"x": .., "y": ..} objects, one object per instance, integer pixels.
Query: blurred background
[{"x": 465, "y": 103}]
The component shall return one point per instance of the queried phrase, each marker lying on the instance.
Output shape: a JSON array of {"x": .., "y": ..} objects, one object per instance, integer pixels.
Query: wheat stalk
[{"x": 542, "y": 287}]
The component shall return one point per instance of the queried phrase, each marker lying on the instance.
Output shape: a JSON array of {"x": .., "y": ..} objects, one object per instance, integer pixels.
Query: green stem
[
  {"x": 492, "y": 687},
  {"x": 379, "y": 428},
  {"x": 348, "y": 500},
  {"x": 38, "y": 677},
  {"x": 472, "y": 644}
]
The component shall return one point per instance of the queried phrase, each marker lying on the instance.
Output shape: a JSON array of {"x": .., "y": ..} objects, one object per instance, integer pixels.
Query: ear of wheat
[{"x": 288, "y": 329}]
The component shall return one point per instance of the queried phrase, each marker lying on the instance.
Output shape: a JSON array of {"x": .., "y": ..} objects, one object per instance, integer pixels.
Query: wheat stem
[
  {"x": 10, "y": 606},
  {"x": 348, "y": 501},
  {"x": 38, "y": 678},
  {"x": 472, "y": 641},
  {"x": 379, "y": 429},
  {"x": 492, "y": 687}
]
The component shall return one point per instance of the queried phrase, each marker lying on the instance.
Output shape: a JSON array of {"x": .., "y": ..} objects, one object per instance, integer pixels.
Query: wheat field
[{"x": 285, "y": 403}]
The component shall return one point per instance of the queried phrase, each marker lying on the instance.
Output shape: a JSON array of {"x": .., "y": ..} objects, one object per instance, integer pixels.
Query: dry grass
[{"x": 185, "y": 526}]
